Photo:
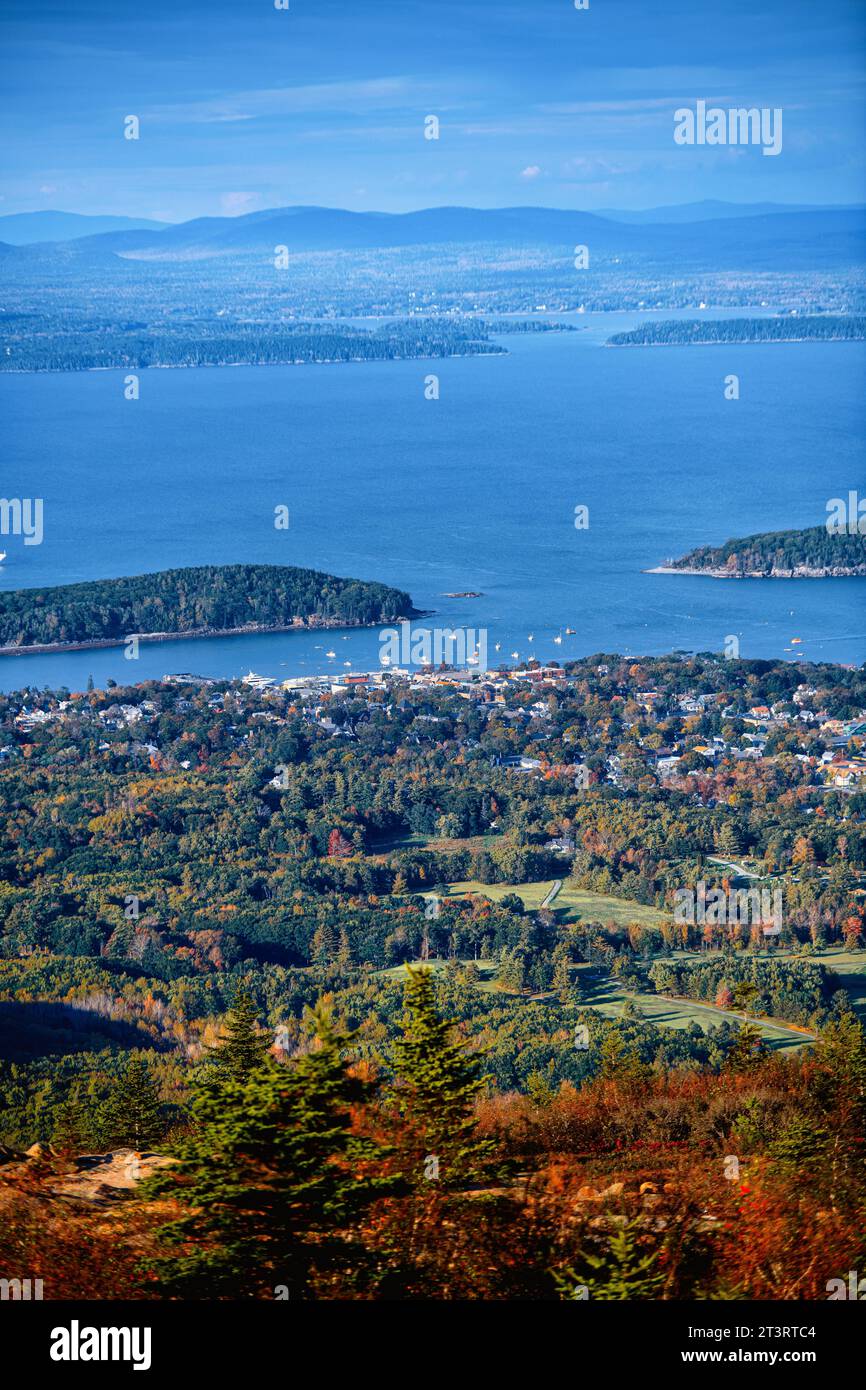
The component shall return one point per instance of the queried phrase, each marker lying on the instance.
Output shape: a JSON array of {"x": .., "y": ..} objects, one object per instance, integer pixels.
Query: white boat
[
  {"x": 2, "y": 556},
  {"x": 332, "y": 654}
]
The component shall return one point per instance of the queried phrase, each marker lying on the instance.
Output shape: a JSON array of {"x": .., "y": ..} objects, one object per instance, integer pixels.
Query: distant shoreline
[
  {"x": 248, "y": 630},
  {"x": 208, "y": 366},
  {"x": 801, "y": 572},
  {"x": 733, "y": 342}
]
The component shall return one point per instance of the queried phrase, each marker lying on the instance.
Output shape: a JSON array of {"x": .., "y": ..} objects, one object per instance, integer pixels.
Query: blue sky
[{"x": 244, "y": 107}]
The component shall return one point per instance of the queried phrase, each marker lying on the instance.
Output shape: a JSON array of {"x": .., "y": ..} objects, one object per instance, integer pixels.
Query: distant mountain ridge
[
  {"x": 25, "y": 228},
  {"x": 800, "y": 238}
]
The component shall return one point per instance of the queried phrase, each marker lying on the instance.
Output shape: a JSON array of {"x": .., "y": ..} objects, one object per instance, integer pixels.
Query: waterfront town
[{"x": 668, "y": 731}]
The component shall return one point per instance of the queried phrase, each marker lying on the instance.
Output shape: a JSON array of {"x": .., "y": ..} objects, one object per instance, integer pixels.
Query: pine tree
[
  {"x": 625, "y": 1271},
  {"x": 620, "y": 1061},
  {"x": 271, "y": 1179},
  {"x": 241, "y": 1047},
  {"x": 512, "y": 970},
  {"x": 728, "y": 839},
  {"x": 562, "y": 981},
  {"x": 747, "y": 1051},
  {"x": 434, "y": 1093},
  {"x": 132, "y": 1115},
  {"x": 74, "y": 1129},
  {"x": 323, "y": 946}
]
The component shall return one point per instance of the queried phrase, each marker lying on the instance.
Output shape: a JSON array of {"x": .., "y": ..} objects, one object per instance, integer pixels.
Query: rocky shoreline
[
  {"x": 296, "y": 625},
  {"x": 798, "y": 572}
]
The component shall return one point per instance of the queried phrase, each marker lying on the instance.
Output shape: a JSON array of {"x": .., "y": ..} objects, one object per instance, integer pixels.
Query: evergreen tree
[
  {"x": 562, "y": 978},
  {"x": 512, "y": 970},
  {"x": 271, "y": 1179},
  {"x": 624, "y": 1271},
  {"x": 132, "y": 1115},
  {"x": 74, "y": 1129},
  {"x": 241, "y": 1047},
  {"x": 800, "y": 1147},
  {"x": 747, "y": 1050},
  {"x": 436, "y": 1086},
  {"x": 621, "y": 1061},
  {"x": 728, "y": 840}
]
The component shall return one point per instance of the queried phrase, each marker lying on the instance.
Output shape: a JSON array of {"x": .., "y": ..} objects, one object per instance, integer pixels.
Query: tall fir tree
[
  {"x": 75, "y": 1128},
  {"x": 620, "y": 1061},
  {"x": 434, "y": 1093},
  {"x": 132, "y": 1115},
  {"x": 271, "y": 1180},
  {"x": 241, "y": 1047},
  {"x": 747, "y": 1050}
]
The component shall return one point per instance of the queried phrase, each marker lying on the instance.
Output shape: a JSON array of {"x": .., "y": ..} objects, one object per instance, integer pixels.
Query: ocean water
[{"x": 474, "y": 491}]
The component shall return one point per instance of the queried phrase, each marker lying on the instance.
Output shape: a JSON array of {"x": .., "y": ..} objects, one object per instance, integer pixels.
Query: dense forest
[
  {"x": 203, "y": 597},
  {"x": 792, "y": 328},
  {"x": 227, "y": 342},
  {"x": 817, "y": 548}
]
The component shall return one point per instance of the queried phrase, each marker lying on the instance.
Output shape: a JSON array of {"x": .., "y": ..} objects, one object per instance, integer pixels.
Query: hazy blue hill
[
  {"x": 24, "y": 228},
  {"x": 761, "y": 240}
]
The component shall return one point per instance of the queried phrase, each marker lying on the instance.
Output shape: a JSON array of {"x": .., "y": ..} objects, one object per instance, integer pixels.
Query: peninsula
[
  {"x": 775, "y": 328},
  {"x": 813, "y": 553}
]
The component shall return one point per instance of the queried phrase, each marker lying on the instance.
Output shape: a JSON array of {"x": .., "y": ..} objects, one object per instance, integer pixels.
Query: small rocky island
[
  {"x": 202, "y": 601},
  {"x": 813, "y": 553}
]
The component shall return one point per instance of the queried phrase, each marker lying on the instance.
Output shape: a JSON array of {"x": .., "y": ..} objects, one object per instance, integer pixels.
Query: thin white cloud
[{"x": 374, "y": 94}]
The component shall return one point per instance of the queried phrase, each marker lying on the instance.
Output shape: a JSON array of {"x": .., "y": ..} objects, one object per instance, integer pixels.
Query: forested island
[
  {"x": 812, "y": 553},
  {"x": 232, "y": 342},
  {"x": 201, "y": 601},
  {"x": 792, "y": 328}
]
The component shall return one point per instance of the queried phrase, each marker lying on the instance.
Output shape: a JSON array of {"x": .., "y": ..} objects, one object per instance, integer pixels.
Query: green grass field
[
  {"x": 571, "y": 904},
  {"x": 607, "y": 997}
]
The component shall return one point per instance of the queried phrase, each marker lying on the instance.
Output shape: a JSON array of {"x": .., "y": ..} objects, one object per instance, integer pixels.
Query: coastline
[
  {"x": 211, "y": 366},
  {"x": 247, "y": 630},
  {"x": 736, "y": 342},
  {"x": 801, "y": 572}
]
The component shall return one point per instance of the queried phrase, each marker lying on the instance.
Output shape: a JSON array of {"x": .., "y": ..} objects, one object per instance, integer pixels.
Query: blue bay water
[{"x": 475, "y": 491}]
